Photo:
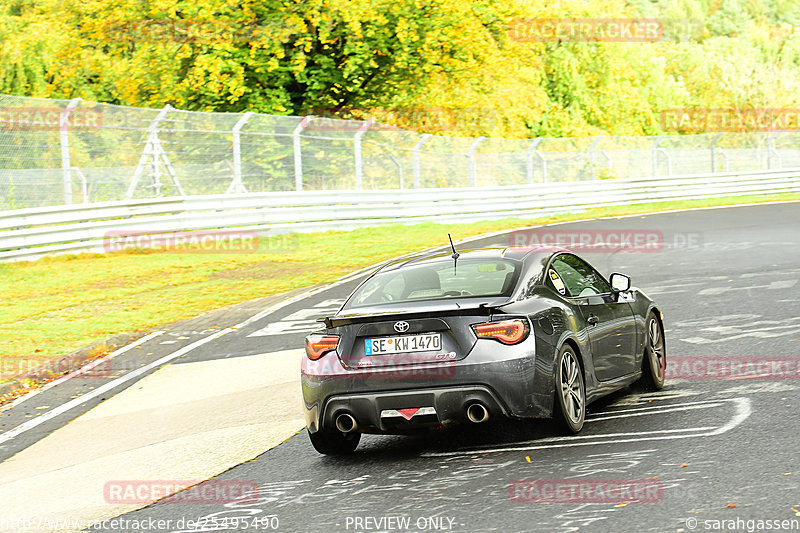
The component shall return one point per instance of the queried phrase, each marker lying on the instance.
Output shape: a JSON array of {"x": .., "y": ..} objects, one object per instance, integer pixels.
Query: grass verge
[{"x": 55, "y": 305}]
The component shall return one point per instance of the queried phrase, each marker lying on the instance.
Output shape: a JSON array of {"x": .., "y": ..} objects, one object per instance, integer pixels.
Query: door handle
[{"x": 593, "y": 320}]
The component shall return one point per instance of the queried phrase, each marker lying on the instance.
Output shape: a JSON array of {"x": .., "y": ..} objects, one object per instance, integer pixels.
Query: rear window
[{"x": 440, "y": 280}]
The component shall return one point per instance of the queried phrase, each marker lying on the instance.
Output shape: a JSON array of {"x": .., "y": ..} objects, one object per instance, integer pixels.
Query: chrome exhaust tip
[
  {"x": 477, "y": 413},
  {"x": 346, "y": 423}
]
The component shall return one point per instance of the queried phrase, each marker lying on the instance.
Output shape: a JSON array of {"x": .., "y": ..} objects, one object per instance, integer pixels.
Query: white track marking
[
  {"x": 648, "y": 407},
  {"x": 83, "y": 369},
  {"x": 576, "y": 440},
  {"x": 774, "y": 285},
  {"x": 302, "y": 321},
  {"x": 648, "y": 412},
  {"x": 743, "y": 410},
  {"x": 63, "y": 408}
]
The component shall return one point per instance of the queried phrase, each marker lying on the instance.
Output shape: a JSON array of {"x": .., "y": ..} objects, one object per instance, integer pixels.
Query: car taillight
[
  {"x": 507, "y": 331},
  {"x": 319, "y": 345}
]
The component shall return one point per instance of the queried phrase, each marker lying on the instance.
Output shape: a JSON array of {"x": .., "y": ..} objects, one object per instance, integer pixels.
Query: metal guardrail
[{"x": 27, "y": 234}]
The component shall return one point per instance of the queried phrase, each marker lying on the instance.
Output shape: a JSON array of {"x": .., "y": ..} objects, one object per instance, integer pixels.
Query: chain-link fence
[{"x": 55, "y": 152}]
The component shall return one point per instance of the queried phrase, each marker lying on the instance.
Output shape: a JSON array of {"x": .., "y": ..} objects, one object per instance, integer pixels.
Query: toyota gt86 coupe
[{"x": 446, "y": 338}]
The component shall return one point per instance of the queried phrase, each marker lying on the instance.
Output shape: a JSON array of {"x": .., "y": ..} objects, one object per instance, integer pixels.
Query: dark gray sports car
[{"x": 443, "y": 338}]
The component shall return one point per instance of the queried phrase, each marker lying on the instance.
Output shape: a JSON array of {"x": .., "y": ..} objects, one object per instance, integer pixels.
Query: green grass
[{"x": 59, "y": 304}]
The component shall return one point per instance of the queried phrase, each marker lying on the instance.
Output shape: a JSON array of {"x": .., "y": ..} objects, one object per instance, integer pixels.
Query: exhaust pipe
[
  {"x": 477, "y": 413},
  {"x": 346, "y": 423}
]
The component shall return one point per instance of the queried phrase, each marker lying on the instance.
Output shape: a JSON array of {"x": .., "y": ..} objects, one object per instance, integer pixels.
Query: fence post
[
  {"x": 713, "y": 152},
  {"x": 473, "y": 169},
  {"x": 725, "y": 158},
  {"x": 66, "y": 167},
  {"x": 357, "y": 153},
  {"x": 397, "y": 164},
  {"x": 592, "y": 158},
  {"x": 417, "y": 146},
  {"x": 237, "y": 186},
  {"x": 529, "y": 158},
  {"x": 84, "y": 184},
  {"x": 654, "y": 155},
  {"x": 771, "y": 150},
  {"x": 149, "y": 149},
  {"x": 298, "y": 155}
]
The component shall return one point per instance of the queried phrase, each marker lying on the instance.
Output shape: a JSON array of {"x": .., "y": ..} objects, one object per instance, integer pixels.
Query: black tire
[
  {"x": 570, "y": 401},
  {"x": 654, "y": 361},
  {"x": 334, "y": 442}
]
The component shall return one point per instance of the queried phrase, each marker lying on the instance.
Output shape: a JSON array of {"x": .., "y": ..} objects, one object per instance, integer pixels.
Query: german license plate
[{"x": 427, "y": 342}]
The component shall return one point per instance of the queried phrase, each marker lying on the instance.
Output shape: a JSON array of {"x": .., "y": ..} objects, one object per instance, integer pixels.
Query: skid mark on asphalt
[
  {"x": 303, "y": 321},
  {"x": 773, "y": 285},
  {"x": 736, "y": 411},
  {"x": 732, "y": 327},
  {"x": 669, "y": 393},
  {"x": 727, "y": 286}
]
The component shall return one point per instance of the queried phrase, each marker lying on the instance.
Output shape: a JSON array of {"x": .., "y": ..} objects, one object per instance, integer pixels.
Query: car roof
[{"x": 515, "y": 253}]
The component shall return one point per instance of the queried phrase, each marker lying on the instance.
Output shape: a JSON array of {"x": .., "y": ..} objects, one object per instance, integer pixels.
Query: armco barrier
[{"x": 27, "y": 234}]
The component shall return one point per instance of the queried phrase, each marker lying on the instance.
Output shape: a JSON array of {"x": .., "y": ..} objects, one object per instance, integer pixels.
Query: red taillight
[
  {"x": 507, "y": 331},
  {"x": 319, "y": 345}
]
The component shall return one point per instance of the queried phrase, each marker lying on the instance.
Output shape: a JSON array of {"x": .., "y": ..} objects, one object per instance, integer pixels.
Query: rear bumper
[
  {"x": 377, "y": 412},
  {"x": 510, "y": 381}
]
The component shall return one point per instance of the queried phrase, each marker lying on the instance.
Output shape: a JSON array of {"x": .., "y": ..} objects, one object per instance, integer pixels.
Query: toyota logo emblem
[{"x": 401, "y": 327}]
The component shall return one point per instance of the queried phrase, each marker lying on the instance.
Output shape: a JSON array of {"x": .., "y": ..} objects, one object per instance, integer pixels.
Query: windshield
[{"x": 440, "y": 280}]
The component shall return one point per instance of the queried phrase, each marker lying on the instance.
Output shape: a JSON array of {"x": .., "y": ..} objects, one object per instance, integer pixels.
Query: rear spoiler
[{"x": 433, "y": 312}]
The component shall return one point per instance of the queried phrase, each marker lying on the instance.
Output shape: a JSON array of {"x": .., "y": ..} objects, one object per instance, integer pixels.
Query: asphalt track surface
[{"x": 714, "y": 449}]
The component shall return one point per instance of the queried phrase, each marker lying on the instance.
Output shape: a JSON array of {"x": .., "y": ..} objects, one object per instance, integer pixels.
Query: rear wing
[{"x": 427, "y": 310}]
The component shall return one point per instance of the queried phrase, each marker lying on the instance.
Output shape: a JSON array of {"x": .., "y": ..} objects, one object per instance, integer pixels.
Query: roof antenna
[{"x": 454, "y": 256}]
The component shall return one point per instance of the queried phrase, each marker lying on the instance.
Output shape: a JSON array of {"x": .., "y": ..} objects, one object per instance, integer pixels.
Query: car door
[{"x": 609, "y": 323}]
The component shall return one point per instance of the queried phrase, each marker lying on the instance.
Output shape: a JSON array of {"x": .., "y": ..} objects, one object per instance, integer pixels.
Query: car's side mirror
[{"x": 620, "y": 282}]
